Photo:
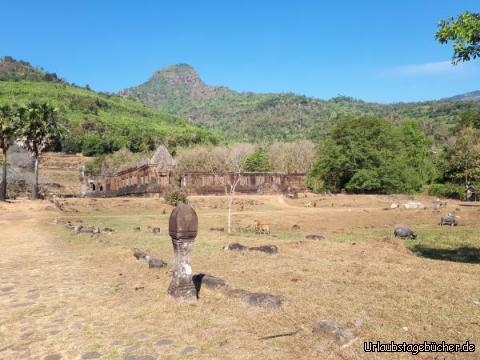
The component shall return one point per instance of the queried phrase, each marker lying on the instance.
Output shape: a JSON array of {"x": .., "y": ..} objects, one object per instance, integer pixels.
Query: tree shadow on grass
[{"x": 465, "y": 254}]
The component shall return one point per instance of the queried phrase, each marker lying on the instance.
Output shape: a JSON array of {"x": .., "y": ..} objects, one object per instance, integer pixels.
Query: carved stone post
[{"x": 183, "y": 228}]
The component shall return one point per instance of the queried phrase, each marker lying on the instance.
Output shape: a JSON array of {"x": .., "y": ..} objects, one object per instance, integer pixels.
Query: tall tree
[
  {"x": 39, "y": 128},
  {"x": 258, "y": 161},
  {"x": 462, "y": 157},
  {"x": 372, "y": 155},
  {"x": 464, "y": 32},
  {"x": 8, "y": 132}
]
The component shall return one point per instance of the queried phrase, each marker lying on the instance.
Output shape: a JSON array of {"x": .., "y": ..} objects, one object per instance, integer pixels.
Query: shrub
[
  {"x": 175, "y": 197},
  {"x": 95, "y": 144},
  {"x": 94, "y": 166},
  {"x": 71, "y": 145},
  {"x": 449, "y": 190}
]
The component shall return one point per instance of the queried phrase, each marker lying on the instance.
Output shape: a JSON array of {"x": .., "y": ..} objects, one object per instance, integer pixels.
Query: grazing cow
[
  {"x": 403, "y": 232},
  {"x": 448, "y": 219},
  {"x": 261, "y": 227}
]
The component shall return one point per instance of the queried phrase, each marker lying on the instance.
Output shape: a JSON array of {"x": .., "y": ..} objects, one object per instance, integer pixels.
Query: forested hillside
[
  {"x": 179, "y": 90},
  {"x": 100, "y": 123}
]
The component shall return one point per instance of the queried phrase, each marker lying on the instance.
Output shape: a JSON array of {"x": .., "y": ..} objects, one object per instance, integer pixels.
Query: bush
[
  {"x": 175, "y": 197},
  {"x": 449, "y": 190},
  {"x": 71, "y": 145},
  {"x": 95, "y": 144},
  {"x": 94, "y": 166}
]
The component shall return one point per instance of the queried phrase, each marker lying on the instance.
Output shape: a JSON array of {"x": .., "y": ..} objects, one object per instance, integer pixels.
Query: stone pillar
[{"x": 183, "y": 228}]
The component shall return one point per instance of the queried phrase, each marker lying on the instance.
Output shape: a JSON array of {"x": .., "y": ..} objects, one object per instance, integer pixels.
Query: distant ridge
[
  {"x": 179, "y": 90},
  {"x": 469, "y": 96},
  {"x": 19, "y": 70}
]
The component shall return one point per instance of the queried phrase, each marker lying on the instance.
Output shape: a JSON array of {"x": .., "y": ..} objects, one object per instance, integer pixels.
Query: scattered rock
[
  {"x": 476, "y": 302},
  {"x": 156, "y": 230},
  {"x": 404, "y": 328},
  {"x": 221, "y": 229},
  {"x": 139, "y": 357},
  {"x": 164, "y": 342},
  {"x": 394, "y": 206},
  {"x": 189, "y": 350},
  {"x": 414, "y": 205},
  {"x": 137, "y": 229},
  {"x": 80, "y": 229},
  {"x": 342, "y": 334},
  {"x": 156, "y": 263},
  {"x": 223, "y": 343},
  {"x": 213, "y": 282},
  {"x": 108, "y": 230},
  {"x": 53, "y": 357},
  {"x": 132, "y": 348},
  {"x": 269, "y": 249},
  {"x": 91, "y": 355},
  {"x": 439, "y": 203},
  {"x": 263, "y": 300},
  {"x": 235, "y": 247},
  {"x": 296, "y": 227},
  {"x": 314, "y": 237},
  {"x": 235, "y": 293},
  {"x": 139, "y": 254}
]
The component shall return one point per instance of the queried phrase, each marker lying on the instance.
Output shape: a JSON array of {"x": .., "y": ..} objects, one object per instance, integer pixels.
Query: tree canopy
[
  {"x": 373, "y": 155},
  {"x": 464, "y": 32}
]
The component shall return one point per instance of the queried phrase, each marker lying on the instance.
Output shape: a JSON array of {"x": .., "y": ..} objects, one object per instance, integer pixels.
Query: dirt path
[{"x": 40, "y": 282}]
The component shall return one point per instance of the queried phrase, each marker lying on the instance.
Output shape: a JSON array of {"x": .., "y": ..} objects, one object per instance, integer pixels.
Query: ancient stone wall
[
  {"x": 142, "y": 180},
  {"x": 148, "y": 179}
]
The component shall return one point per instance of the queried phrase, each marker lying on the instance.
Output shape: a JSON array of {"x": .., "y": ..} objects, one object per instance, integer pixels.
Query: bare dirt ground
[{"x": 83, "y": 296}]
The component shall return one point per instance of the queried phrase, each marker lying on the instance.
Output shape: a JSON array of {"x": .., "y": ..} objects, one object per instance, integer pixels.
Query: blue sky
[{"x": 380, "y": 51}]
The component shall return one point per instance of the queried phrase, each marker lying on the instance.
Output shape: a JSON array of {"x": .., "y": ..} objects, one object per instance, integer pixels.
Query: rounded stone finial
[{"x": 183, "y": 223}]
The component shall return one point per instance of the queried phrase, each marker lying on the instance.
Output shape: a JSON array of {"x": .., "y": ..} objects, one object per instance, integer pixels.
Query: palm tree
[
  {"x": 8, "y": 132},
  {"x": 39, "y": 128}
]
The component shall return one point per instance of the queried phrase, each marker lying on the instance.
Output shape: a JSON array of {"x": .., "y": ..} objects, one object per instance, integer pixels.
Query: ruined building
[{"x": 159, "y": 174}]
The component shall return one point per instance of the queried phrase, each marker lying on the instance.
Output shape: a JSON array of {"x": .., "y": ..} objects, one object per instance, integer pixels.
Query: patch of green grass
[{"x": 460, "y": 244}]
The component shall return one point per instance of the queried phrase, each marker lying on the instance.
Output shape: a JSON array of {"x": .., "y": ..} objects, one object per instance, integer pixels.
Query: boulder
[
  {"x": 269, "y": 249},
  {"x": 213, "y": 282},
  {"x": 314, "y": 237},
  {"x": 221, "y": 229},
  {"x": 263, "y": 300},
  {"x": 235, "y": 247},
  {"x": 139, "y": 254},
  {"x": 341, "y": 333},
  {"x": 156, "y": 263},
  {"x": 414, "y": 205}
]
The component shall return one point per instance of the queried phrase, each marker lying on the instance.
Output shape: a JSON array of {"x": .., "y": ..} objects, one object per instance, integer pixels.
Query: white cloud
[{"x": 435, "y": 68}]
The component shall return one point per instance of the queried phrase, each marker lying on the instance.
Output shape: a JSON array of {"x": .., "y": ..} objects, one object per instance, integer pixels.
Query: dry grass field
[{"x": 83, "y": 296}]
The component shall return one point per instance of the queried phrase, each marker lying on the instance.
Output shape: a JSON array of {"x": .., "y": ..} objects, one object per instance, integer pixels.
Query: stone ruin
[{"x": 159, "y": 175}]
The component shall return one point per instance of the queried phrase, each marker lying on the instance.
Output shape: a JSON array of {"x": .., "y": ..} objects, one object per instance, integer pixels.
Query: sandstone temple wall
[{"x": 148, "y": 179}]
